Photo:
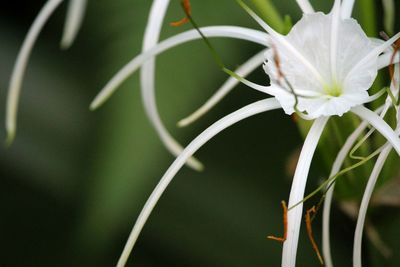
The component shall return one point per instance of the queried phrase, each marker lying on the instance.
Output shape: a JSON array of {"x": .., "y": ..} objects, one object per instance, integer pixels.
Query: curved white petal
[
  {"x": 380, "y": 125},
  {"x": 347, "y": 8},
  {"x": 247, "y": 111},
  {"x": 344, "y": 151},
  {"x": 384, "y": 59},
  {"x": 21, "y": 63},
  {"x": 297, "y": 192},
  {"x": 335, "y": 23},
  {"x": 305, "y": 6},
  {"x": 341, "y": 156},
  {"x": 286, "y": 45},
  {"x": 73, "y": 22},
  {"x": 213, "y": 31},
  {"x": 364, "y": 204},
  {"x": 373, "y": 55},
  {"x": 244, "y": 70},
  {"x": 389, "y": 15},
  {"x": 147, "y": 79},
  {"x": 357, "y": 245}
]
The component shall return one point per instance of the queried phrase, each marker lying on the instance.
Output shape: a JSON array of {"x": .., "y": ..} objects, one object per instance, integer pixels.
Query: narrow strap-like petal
[
  {"x": 341, "y": 156},
  {"x": 73, "y": 21},
  {"x": 347, "y": 8},
  {"x": 305, "y": 6},
  {"x": 213, "y": 31},
  {"x": 245, "y": 69},
  {"x": 147, "y": 79},
  {"x": 334, "y": 38},
  {"x": 280, "y": 39},
  {"x": 297, "y": 192},
  {"x": 20, "y": 66},
  {"x": 389, "y": 15},
  {"x": 357, "y": 245},
  {"x": 344, "y": 151},
  {"x": 247, "y": 111},
  {"x": 364, "y": 204},
  {"x": 379, "y": 124},
  {"x": 373, "y": 54},
  {"x": 384, "y": 60}
]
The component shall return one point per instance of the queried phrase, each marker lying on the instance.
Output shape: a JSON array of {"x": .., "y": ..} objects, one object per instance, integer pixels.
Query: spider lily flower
[
  {"x": 326, "y": 66},
  {"x": 75, "y": 13}
]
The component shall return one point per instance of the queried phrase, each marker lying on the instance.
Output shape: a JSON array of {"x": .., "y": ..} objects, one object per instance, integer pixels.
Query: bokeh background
[{"x": 74, "y": 181}]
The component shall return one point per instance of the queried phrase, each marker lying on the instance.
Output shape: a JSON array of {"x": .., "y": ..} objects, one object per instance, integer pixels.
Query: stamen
[
  {"x": 277, "y": 63},
  {"x": 188, "y": 11},
  {"x": 308, "y": 220},
  {"x": 285, "y": 224},
  {"x": 282, "y": 76},
  {"x": 396, "y": 48}
]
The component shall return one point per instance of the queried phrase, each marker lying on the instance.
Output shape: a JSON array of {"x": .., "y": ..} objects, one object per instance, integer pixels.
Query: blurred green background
[{"x": 74, "y": 181}]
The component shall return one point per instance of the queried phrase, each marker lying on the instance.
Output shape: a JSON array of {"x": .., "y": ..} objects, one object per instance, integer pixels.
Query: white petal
[
  {"x": 389, "y": 10},
  {"x": 380, "y": 125},
  {"x": 286, "y": 47},
  {"x": 247, "y": 111},
  {"x": 334, "y": 39},
  {"x": 371, "y": 56},
  {"x": 73, "y": 22},
  {"x": 213, "y": 31},
  {"x": 372, "y": 181},
  {"x": 384, "y": 59},
  {"x": 245, "y": 69},
  {"x": 344, "y": 151},
  {"x": 21, "y": 63},
  {"x": 147, "y": 79},
  {"x": 297, "y": 192},
  {"x": 305, "y": 6},
  {"x": 364, "y": 204},
  {"x": 347, "y": 8}
]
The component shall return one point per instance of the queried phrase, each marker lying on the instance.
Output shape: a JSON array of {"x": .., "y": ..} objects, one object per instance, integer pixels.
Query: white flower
[
  {"x": 327, "y": 58},
  {"x": 328, "y": 65},
  {"x": 75, "y": 13}
]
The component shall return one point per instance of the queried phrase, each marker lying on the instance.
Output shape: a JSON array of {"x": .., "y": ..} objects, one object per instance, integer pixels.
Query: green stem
[
  {"x": 368, "y": 16},
  {"x": 270, "y": 14}
]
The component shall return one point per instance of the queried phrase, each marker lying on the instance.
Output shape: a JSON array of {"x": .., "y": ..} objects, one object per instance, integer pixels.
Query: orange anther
[
  {"x": 285, "y": 222},
  {"x": 188, "y": 10},
  {"x": 310, "y": 233}
]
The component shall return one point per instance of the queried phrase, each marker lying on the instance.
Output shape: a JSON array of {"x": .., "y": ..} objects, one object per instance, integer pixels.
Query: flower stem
[{"x": 270, "y": 14}]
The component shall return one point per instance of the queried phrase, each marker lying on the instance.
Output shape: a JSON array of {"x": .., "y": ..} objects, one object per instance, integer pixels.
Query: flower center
[{"x": 333, "y": 89}]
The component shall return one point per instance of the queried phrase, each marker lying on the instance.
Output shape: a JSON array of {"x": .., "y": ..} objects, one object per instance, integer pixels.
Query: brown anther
[
  {"x": 295, "y": 118},
  {"x": 277, "y": 63},
  {"x": 396, "y": 48},
  {"x": 188, "y": 10},
  {"x": 309, "y": 213},
  {"x": 285, "y": 222}
]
